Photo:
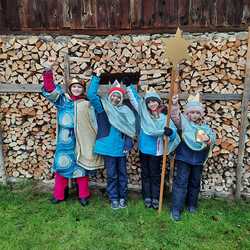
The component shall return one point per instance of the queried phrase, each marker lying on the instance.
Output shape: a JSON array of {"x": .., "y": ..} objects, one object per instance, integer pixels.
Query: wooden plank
[
  {"x": 2, "y": 167},
  {"x": 160, "y": 18},
  {"x": 183, "y": 14},
  {"x": 2, "y": 15},
  {"x": 148, "y": 14},
  {"x": 20, "y": 88},
  {"x": 53, "y": 14},
  {"x": 196, "y": 9},
  {"x": 65, "y": 19},
  {"x": 23, "y": 12},
  {"x": 207, "y": 8},
  {"x": 36, "y": 88},
  {"x": 88, "y": 17},
  {"x": 102, "y": 17},
  {"x": 76, "y": 13},
  {"x": 243, "y": 124},
  {"x": 171, "y": 12},
  {"x": 124, "y": 14},
  {"x": 210, "y": 96},
  {"x": 102, "y": 14},
  {"x": 38, "y": 14},
  {"x": 66, "y": 71},
  {"x": 135, "y": 13},
  {"x": 245, "y": 11},
  {"x": 11, "y": 15},
  {"x": 234, "y": 12},
  {"x": 119, "y": 14},
  {"x": 67, "y": 31}
]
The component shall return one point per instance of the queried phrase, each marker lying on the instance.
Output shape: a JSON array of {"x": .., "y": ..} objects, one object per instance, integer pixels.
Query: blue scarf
[
  {"x": 189, "y": 132},
  {"x": 150, "y": 125},
  {"x": 120, "y": 117}
]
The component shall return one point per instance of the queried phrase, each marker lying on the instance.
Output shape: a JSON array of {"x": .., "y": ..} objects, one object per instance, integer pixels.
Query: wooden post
[
  {"x": 2, "y": 167},
  {"x": 66, "y": 71},
  {"x": 243, "y": 124},
  {"x": 65, "y": 85}
]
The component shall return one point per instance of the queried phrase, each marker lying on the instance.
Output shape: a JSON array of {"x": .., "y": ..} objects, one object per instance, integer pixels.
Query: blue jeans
[
  {"x": 117, "y": 179},
  {"x": 186, "y": 185}
]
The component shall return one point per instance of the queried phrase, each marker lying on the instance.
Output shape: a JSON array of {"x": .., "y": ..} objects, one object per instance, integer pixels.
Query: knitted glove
[{"x": 168, "y": 131}]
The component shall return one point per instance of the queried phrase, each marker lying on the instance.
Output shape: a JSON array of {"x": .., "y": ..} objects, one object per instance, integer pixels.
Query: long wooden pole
[
  {"x": 165, "y": 153},
  {"x": 65, "y": 86},
  {"x": 243, "y": 124},
  {"x": 2, "y": 167}
]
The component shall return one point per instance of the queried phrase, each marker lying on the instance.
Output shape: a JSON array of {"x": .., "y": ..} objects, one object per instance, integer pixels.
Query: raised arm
[
  {"x": 48, "y": 81},
  {"x": 92, "y": 93},
  {"x": 51, "y": 91},
  {"x": 175, "y": 113},
  {"x": 134, "y": 97}
]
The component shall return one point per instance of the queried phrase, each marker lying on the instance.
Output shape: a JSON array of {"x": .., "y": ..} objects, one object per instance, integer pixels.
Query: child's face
[
  {"x": 76, "y": 89},
  {"x": 115, "y": 99},
  {"x": 194, "y": 116},
  {"x": 153, "y": 105}
]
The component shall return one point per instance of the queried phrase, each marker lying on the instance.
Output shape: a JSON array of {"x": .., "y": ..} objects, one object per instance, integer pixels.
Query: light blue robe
[{"x": 65, "y": 157}]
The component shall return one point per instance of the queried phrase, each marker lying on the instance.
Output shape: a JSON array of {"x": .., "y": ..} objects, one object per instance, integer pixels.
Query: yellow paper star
[{"x": 176, "y": 48}]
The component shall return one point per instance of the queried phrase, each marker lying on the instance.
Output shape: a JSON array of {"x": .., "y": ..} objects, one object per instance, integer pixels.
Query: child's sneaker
[
  {"x": 122, "y": 203},
  {"x": 175, "y": 215},
  {"x": 148, "y": 202},
  {"x": 192, "y": 209},
  {"x": 114, "y": 204},
  {"x": 155, "y": 204}
]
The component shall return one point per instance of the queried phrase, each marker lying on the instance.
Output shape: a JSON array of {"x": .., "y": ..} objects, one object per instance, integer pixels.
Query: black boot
[
  {"x": 84, "y": 201},
  {"x": 66, "y": 193},
  {"x": 53, "y": 200}
]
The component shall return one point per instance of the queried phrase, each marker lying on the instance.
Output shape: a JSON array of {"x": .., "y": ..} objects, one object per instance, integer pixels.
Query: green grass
[{"x": 29, "y": 221}]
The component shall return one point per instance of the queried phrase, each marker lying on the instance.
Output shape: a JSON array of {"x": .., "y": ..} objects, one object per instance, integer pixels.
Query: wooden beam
[
  {"x": 13, "y": 88},
  {"x": 120, "y": 31},
  {"x": 243, "y": 124},
  {"x": 10, "y": 88},
  {"x": 3, "y": 177}
]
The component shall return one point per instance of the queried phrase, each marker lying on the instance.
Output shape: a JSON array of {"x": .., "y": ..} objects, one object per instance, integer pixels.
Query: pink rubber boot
[{"x": 61, "y": 183}]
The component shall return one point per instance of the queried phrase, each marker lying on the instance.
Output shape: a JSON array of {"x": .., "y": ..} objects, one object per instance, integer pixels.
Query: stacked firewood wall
[{"x": 28, "y": 121}]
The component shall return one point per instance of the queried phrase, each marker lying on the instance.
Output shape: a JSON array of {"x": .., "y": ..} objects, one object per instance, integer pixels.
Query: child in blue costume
[
  {"x": 65, "y": 163},
  {"x": 116, "y": 128},
  {"x": 197, "y": 140},
  {"x": 152, "y": 130}
]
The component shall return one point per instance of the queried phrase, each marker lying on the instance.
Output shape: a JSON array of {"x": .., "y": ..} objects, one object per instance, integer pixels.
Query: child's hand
[
  {"x": 206, "y": 139},
  {"x": 50, "y": 62},
  {"x": 98, "y": 71},
  {"x": 175, "y": 99},
  {"x": 202, "y": 137}
]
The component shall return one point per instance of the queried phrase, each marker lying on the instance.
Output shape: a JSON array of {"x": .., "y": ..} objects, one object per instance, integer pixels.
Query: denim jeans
[
  {"x": 150, "y": 175},
  {"x": 117, "y": 179},
  {"x": 186, "y": 185}
]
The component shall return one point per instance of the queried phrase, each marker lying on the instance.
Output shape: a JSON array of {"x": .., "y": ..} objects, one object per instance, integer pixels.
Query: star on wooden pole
[{"x": 175, "y": 50}]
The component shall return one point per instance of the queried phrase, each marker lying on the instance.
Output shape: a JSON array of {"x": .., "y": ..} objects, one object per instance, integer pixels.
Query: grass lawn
[{"x": 29, "y": 221}]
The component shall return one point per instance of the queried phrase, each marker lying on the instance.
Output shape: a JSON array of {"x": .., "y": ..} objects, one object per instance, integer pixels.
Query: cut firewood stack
[{"x": 29, "y": 121}]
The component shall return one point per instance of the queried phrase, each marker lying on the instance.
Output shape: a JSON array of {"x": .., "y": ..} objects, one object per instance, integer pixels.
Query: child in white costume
[{"x": 191, "y": 154}]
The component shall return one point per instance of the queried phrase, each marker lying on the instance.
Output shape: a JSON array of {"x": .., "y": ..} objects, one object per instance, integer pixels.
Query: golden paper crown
[
  {"x": 194, "y": 98},
  {"x": 74, "y": 80},
  {"x": 116, "y": 84}
]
